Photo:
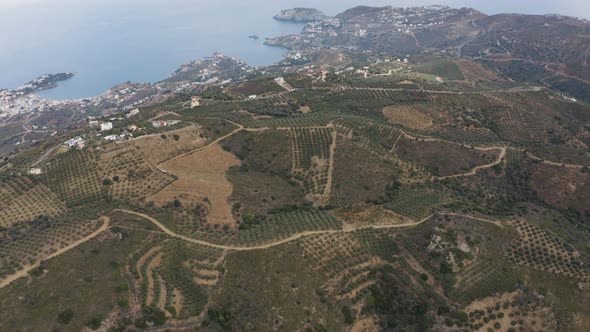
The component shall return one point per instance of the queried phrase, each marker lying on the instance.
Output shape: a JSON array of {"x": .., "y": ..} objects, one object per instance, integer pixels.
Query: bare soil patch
[
  {"x": 373, "y": 215},
  {"x": 305, "y": 109},
  {"x": 562, "y": 187},
  {"x": 473, "y": 71},
  {"x": 153, "y": 264},
  {"x": 365, "y": 325},
  {"x": 407, "y": 116},
  {"x": 157, "y": 149},
  {"x": 201, "y": 179}
]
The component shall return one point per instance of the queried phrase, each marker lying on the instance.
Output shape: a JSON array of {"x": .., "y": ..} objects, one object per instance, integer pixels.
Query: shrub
[{"x": 64, "y": 317}]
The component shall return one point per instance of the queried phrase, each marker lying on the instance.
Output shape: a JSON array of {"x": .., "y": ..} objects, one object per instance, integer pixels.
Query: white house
[
  {"x": 35, "y": 171},
  {"x": 106, "y": 126},
  {"x": 111, "y": 138},
  {"x": 76, "y": 142}
]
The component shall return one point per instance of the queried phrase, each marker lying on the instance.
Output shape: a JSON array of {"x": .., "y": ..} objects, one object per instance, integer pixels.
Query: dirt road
[{"x": 24, "y": 272}]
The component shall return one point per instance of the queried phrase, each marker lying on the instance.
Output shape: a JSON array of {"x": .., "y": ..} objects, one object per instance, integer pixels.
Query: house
[
  {"x": 106, "y": 126},
  {"x": 280, "y": 80},
  {"x": 133, "y": 112},
  {"x": 164, "y": 123},
  {"x": 111, "y": 138},
  {"x": 132, "y": 127},
  {"x": 76, "y": 142},
  {"x": 35, "y": 171},
  {"x": 252, "y": 97},
  {"x": 195, "y": 101}
]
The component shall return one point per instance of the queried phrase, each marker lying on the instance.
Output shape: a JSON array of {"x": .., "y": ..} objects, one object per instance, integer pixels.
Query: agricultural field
[
  {"x": 290, "y": 287},
  {"x": 542, "y": 250},
  {"x": 442, "y": 158},
  {"x": 415, "y": 202},
  {"x": 22, "y": 199},
  {"x": 157, "y": 148},
  {"x": 374, "y": 195},
  {"x": 408, "y": 117},
  {"x": 444, "y": 68},
  {"x": 359, "y": 175},
  {"x": 58, "y": 291},
  {"x": 200, "y": 179},
  {"x": 313, "y": 150},
  {"x": 255, "y": 87}
]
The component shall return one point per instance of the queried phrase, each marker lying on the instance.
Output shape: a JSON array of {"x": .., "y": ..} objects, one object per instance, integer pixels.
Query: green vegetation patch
[
  {"x": 445, "y": 68},
  {"x": 276, "y": 278},
  {"x": 78, "y": 288}
]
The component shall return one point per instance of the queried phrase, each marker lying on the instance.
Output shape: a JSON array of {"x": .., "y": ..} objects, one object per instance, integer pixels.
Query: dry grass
[
  {"x": 407, "y": 116},
  {"x": 474, "y": 71},
  {"x": 201, "y": 179},
  {"x": 562, "y": 186},
  {"x": 372, "y": 215},
  {"x": 156, "y": 149}
]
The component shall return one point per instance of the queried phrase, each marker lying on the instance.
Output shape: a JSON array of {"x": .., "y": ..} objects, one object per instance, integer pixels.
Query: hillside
[{"x": 339, "y": 190}]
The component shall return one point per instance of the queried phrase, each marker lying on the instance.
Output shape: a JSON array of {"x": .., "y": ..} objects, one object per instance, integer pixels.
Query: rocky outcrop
[{"x": 300, "y": 15}]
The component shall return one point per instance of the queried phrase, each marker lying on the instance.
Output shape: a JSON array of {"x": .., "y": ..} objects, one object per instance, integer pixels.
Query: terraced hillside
[{"x": 363, "y": 199}]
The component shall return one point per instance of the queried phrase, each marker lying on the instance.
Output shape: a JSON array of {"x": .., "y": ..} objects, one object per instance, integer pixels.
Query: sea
[{"x": 108, "y": 42}]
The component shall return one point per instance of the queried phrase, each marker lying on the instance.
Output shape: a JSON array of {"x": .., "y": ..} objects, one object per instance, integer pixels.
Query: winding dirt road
[
  {"x": 24, "y": 272},
  {"x": 106, "y": 225}
]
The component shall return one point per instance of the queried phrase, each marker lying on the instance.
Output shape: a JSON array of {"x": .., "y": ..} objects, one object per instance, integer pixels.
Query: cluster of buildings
[
  {"x": 346, "y": 30},
  {"x": 120, "y": 98},
  {"x": 218, "y": 69}
]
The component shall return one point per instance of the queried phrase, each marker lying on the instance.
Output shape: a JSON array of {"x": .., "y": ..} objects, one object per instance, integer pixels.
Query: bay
[{"x": 108, "y": 42}]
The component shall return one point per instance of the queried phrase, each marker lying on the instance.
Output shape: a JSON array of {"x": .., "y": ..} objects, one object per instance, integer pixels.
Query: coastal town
[{"x": 217, "y": 69}]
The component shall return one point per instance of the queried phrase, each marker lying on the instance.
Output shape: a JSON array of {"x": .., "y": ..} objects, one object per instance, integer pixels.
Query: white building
[
  {"x": 111, "y": 138},
  {"x": 35, "y": 171},
  {"x": 76, "y": 142},
  {"x": 106, "y": 126}
]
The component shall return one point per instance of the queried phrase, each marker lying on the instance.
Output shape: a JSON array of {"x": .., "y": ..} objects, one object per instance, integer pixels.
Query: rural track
[
  {"x": 24, "y": 272},
  {"x": 45, "y": 155},
  {"x": 298, "y": 235},
  {"x": 106, "y": 225},
  {"x": 549, "y": 162},
  {"x": 502, "y": 148}
]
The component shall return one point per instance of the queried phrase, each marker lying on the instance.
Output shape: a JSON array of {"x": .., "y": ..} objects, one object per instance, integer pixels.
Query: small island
[
  {"x": 44, "y": 82},
  {"x": 301, "y": 15},
  {"x": 255, "y": 37}
]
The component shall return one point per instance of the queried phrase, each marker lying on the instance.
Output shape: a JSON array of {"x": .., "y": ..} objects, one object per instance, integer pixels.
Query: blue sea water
[{"x": 107, "y": 42}]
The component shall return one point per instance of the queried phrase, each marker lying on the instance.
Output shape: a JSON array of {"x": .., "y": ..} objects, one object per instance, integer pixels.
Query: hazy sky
[{"x": 579, "y": 8}]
